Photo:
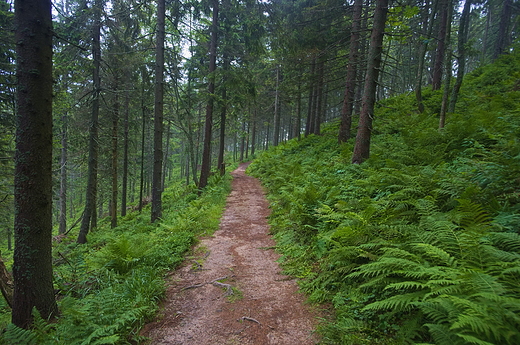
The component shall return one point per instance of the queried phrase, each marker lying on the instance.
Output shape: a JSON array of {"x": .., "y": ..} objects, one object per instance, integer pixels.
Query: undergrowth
[
  {"x": 108, "y": 288},
  {"x": 419, "y": 244}
]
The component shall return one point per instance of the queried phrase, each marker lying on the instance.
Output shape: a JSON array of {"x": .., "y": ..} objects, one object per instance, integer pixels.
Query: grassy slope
[{"x": 420, "y": 243}]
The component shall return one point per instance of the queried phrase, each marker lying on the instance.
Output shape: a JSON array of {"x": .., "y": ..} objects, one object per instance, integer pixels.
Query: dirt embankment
[{"x": 233, "y": 291}]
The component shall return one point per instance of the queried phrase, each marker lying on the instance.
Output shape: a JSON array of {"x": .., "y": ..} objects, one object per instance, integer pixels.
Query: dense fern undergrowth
[
  {"x": 108, "y": 288},
  {"x": 420, "y": 244}
]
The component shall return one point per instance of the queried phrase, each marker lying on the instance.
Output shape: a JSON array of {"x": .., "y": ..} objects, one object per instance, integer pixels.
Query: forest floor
[{"x": 232, "y": 291}]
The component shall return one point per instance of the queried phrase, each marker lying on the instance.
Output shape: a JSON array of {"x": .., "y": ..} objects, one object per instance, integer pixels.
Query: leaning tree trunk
[
  {"x": 362, "y": 145},
  {"x": 89, "y": 220},
  {"x": 32, "y": 268},
  {"x": 353, "y": 56},
  {"x": 206, "y": 153},
  {"x": 158, "y": 114}
]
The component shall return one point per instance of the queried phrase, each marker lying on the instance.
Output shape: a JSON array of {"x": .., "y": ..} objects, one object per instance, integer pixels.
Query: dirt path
[{"x": 265, "y": 308}]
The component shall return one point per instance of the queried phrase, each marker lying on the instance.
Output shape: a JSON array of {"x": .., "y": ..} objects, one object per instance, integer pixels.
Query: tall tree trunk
[
  {"x": 423, "y": 48},
  {"x": 63, "y": 176},
  {"x": 503, "y": 34},
  {"x": 448, "y": 72},
  {"x": 115, "y": 123},
  {"x": 89, "y": 220},
  {"x": 362, "y": 145},
  {"x": 206, "y": 153},
  {"x": 223, "y": 114},
  {"x": 319, "y": 99},
  {"x": 32, "y": 268},
  {"x": 441, "y": 46},
  {"x": 310, "y": 109},
  {"x": 353, "y": 56},
  {"x": 125, "y": 156},
  {"x": 461, "y": 54},
  {"x": 277, "y": 113},
  {"x": 253, "y": 133},
  {"x": 298, "y": 122},
  {"x": 158, "y": 114}
]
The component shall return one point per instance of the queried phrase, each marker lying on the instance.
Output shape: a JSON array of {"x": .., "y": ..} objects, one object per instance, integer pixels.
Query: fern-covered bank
[
  {"x": 108, "y": 288},
  {"x": 419, "y": 244}
]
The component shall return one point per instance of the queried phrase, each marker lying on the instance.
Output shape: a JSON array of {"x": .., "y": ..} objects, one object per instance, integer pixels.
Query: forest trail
[{"x": 265, "y": 307}]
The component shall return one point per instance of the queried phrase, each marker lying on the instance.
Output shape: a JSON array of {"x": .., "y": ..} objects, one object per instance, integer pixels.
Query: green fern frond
[
  {"x": 407, "y": 285},
  {"x": 442, "y": 334},
  {"x": 469, "y": 339},
  {"x": 403, "y": 302},
  {"x": 16, "y": 335},
  {"x": 438, "y": 255},
  {"x": 507, "y": 241},
  {"x": 469, "y": 213}
]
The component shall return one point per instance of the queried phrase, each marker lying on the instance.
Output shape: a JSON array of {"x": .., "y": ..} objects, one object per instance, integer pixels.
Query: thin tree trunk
[
  {"x": 503, "y": 29},
  {"x": 362, "y": 145},
  {"x": 115, "y": 123},
  {"x": 253, "y": 133},
  {"x": 63, "y": 176},
  {"x": 441, "y": 46},
  {"x": 348, "y": 101},
  {"x": 310, "y": 113},
  {"x": 158, "y": 114},
  {"x": 223, "y": 114},
  {"x": 125, "y": 156},
  {"x": 89, "y": 220},
  {"x": 319, "y": 99},
  {"x": 461, "y": 58},
  {"x": 448, "y": 72},
  {"x": 143, "y": 130},
  {"x": 32, "y": 268},
  {"x": 427, "y": 29},
  {"x": 277, "y": 113},
  {"x": 206, "y": 154}
]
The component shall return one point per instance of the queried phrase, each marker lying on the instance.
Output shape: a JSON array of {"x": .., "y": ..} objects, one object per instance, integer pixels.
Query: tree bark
[
  {"x": 63, "y": 176},
  {"x": 362, "y": 145},
  {"x": 461, "y": 52},
  {"x": 503, "y": 34},
  {"x": 223, "y": 114},
  {"x": 448, "y": 72},
  {"x": 32, "y": 268},
  {"x": 277, "y": 113},
  {"x": 423, "y": 48},
  {"x": 89, "y": 220},
  {"x": 353, "y": 56},
  {"x": 158, "y": 114},
  {"x": 114, "y": 164},
  {"x": 441, "y": 46},
  {"x": 206, "y": 153},
  {"x": 124, "y": 189}
]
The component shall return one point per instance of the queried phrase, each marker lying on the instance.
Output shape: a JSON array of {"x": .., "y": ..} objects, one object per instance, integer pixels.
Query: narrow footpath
[{"x": 232, "y": 291}]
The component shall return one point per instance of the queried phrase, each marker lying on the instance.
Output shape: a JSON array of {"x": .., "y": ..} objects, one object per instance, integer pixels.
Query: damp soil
[{"x": 232, "y": 290}]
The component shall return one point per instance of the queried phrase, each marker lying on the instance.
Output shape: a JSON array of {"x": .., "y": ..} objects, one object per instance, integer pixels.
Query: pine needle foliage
[{"x": 419, "y": 244}]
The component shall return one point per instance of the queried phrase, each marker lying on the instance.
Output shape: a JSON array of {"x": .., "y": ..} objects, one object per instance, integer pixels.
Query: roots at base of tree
[{"x": 215, "y": 282}]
